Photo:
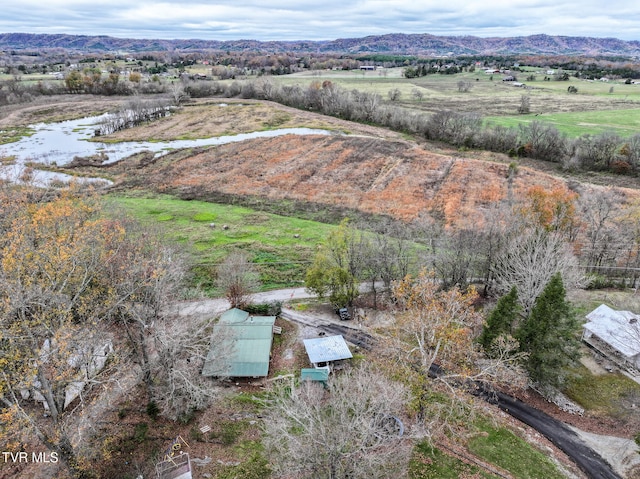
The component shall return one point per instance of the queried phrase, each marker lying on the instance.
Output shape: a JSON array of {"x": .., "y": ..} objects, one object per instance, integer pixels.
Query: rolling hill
[{"x": 393, "y": 43}]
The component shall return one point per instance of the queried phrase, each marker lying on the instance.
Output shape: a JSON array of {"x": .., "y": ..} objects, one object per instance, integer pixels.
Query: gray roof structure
[
  {"x": 619, "y": 329},
  {"x": 252, "y": 337},
  {"x": 326, "y": 349}
]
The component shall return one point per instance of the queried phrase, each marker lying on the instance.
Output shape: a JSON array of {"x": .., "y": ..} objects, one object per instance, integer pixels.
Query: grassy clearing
[
  {"x": 501, "y": 447},
  {"x": 606, "y": 394},
  {"x": 281, "y": 246},
  {"x": 623, "y": 122},
  {"x": 428, "y": 462}
]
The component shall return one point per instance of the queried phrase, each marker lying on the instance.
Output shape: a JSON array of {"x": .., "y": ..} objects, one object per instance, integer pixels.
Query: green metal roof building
[{"x": 252, "y": 338}]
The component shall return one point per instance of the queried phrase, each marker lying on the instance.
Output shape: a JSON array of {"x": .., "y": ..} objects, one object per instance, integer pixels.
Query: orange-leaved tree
[{"x": 434, "y": 343}]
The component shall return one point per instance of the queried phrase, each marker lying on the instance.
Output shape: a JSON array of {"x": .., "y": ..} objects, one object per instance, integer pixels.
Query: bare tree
[
  {"x": 525, "y": 105},
  {"x": 464, "y": 86},
  {"x": 394, "y": 94},
  {"x": 601, "y": 234},
  {"x": 530, "y": 259},
  {"x": 181, "y": 350},
  {"x": 348, "y": 430},
  {"x": 238, "y": 278}
]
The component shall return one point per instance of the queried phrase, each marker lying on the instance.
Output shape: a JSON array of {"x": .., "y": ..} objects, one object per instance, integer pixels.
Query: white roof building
[
  {"x": 327, "y": 349},
  {"x": 615, "y": 334}
]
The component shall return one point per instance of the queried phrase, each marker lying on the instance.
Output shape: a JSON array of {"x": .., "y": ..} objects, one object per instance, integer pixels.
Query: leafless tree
[
  {"x": 457, "y": 260},
  {"x": 530, "y": 259},
  {"x": 464, "y": 86},
  {"x": 525, "y": 105},
  {"x": 177, "y": 93},
  {"x": 181, "y": 349},
  {"x": 601, "y": 233},
  {"x": 544, "y": 142},
  {"x": 394, "y": 94},
  {"x": 238, "y": 278},
  {"x": 348, "y": 430}
]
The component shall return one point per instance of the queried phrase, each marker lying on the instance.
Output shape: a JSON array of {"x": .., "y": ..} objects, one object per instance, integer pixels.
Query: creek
[{"x": 56, "y": 144}]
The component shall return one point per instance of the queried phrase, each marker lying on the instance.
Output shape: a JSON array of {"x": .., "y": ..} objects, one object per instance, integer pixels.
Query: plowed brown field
[
  {"x": 380, "y": 176},
  {"x": 370, "y": 169}
]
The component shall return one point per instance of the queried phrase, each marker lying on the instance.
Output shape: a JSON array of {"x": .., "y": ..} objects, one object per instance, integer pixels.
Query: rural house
[
  {"x": 252, "y": 337},
  {"x": 615, "y": 334}
]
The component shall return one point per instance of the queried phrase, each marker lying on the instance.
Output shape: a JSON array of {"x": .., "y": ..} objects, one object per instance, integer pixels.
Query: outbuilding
[
  {"x": 326, "y": 349},
  {"x": 252, "y": 337},
  {"x": 615, "y": 334}
]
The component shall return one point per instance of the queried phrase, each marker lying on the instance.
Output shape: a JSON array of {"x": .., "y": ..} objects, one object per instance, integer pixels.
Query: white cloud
[{"x": 324, "y": 20}]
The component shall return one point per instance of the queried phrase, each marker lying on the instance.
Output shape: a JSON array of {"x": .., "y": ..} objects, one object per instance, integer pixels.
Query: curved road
[{"x": 563, "y": 437}]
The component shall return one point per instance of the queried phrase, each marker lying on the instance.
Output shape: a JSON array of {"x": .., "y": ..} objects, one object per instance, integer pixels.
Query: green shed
[
  {"x": 252, "y": 337},
  {"x": 315, "y": 374}
]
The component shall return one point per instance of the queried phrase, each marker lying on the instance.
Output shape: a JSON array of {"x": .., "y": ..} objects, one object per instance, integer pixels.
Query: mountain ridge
[{"x": 392, "y": 43}]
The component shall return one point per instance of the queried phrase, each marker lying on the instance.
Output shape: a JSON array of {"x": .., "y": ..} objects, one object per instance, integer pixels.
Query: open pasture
[
  {"x": 281, "y": 247},
  {"x": 596, "y": 107}
]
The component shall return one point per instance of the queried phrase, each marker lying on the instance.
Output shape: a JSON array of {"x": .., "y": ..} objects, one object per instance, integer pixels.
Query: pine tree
[
  {"x": 501, "y": 320},
  {"x": 549, "y": 337}
]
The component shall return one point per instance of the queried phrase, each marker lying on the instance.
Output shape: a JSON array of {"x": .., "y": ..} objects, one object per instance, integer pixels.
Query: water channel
[{"x": 55, "y": 144}]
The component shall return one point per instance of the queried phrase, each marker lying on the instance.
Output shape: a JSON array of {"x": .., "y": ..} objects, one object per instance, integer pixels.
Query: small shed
[
  {"x": 615, "y": 334},
  {"x": 252, "y": 337},
  {"x": 320, "y": 375},
  {"x": 326, "y": 349}
]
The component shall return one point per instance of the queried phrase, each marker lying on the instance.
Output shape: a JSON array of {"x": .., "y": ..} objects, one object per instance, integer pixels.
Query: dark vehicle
[{"x": 344, "y": 314}]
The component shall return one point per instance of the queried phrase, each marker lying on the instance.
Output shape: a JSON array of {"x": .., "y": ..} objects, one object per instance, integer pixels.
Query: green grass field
[
  {"x": 603, "y": 394},
  {"x": 597, "y": 107},
  {"x": 281, "y": 246},
  {"x": 622, "y": 122}
]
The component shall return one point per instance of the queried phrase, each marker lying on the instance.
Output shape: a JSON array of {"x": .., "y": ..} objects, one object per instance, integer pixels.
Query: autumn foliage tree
[
  {"x": 68, "y": 274},
  {"x": 52, "y": 305},
  {"x": 435, "y": 334}
]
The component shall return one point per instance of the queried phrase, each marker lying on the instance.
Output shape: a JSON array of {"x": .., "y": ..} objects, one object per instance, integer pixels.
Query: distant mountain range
[{"x": 393, "y": 43}]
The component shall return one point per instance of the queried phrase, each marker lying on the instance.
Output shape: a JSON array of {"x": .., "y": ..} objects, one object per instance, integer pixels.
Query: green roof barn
[{"x": 252, "y": 337}]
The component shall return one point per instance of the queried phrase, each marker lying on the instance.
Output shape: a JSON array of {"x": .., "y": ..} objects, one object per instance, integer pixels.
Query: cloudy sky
[{"x": 321, "y": 19}]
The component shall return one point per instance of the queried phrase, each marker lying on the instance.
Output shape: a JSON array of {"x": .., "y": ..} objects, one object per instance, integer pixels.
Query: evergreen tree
[
  {"x": 549, "y": 337},
  {"x": 501, "y": 320}
]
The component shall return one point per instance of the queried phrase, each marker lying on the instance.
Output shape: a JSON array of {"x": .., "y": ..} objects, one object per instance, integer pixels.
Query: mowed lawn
[
  {"x": 622, "y": 122},
  {"x": 282, "y": 247}
]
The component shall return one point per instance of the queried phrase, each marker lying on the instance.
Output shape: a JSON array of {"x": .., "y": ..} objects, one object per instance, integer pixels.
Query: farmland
[{"x": 214, "y": 200}]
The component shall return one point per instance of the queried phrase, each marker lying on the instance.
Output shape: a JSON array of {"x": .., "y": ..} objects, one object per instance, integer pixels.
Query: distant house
[
  {"x": 325, "y": 350},
  {"x": 252, "y": 337},
  {"x": 615, "y": 334}
]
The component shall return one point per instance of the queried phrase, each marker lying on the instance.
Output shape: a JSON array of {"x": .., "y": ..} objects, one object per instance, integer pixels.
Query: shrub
[
  {"x": 272, "y": 308},
  {"x": 153, "y": 410}
]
